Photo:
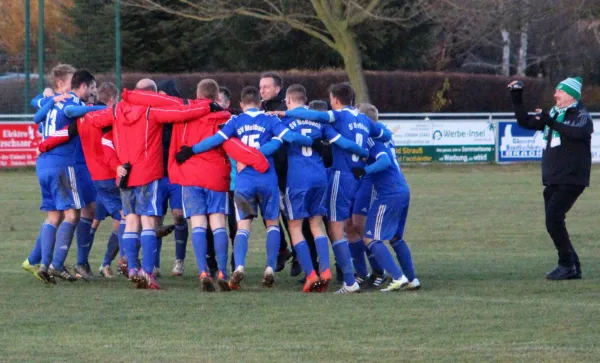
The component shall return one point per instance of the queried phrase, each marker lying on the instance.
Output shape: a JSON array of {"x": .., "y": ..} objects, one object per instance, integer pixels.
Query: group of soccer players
[{"x": 127, "y": 159}]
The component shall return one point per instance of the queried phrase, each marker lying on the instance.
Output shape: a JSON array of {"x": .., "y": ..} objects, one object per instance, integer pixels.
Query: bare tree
[{"x": 334, "y": 22}]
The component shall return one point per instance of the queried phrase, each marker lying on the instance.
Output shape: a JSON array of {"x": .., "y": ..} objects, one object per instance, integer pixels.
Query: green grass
[{"x": 480, "y": 249}]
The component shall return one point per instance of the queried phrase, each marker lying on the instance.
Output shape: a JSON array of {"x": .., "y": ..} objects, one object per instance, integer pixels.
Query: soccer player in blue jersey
[
  {"x": 348, "y": 123},
  {"x": 387, "y": 215},
  {"x": 66, "y": 187},
  {"x": 254, "y": 190}
]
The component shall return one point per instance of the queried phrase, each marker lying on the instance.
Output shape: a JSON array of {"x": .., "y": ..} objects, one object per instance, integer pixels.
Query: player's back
[
  {"x": 391, "y": 180},
  {"x": 305, "y": 166},
  {"x": 354, "y": 126},
  {"x": 91, "y": 142},
  {"x": 68, "y": 153}
]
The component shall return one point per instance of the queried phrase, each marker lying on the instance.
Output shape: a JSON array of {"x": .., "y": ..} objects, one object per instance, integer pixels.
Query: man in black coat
[{"x": 566, "y": 163}]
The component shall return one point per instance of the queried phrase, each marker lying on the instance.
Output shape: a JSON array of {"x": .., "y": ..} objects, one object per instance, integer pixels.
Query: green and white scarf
[{"x": 558, "y": 114}]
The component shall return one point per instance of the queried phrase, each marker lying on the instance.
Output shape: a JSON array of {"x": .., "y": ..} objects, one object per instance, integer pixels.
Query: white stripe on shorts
[
  {"x": 379, "y": 222},
  {"x": 288, "y": 204},
  {"x": 333, "y": 197},
  {"x": 75, "y": 193},
  {"x": 155, "y": 196}
]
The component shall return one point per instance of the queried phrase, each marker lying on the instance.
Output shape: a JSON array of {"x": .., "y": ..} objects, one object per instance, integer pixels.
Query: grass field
[{"x": 480, "y": 249}]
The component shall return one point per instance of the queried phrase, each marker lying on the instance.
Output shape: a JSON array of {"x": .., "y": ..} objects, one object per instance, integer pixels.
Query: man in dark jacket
[{"x": 566, "y": 163}]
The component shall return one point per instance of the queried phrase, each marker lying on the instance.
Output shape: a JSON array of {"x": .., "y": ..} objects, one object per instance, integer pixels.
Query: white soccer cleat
[
  {"x": 412, "y": 285},
  {"x": 348, "y": 289},
  {"x": 178, "y": 268},
  {"x": 268, "y": 278},
  {"x": 396, "y": 285}
]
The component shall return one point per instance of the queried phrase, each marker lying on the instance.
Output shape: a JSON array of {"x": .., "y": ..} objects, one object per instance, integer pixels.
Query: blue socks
[
  {"x": 322, "y": 245},
  {"x": 221, "y": 247},
  {"x": 404, "y": 258},
  {"x": 181, "y": 237},
  {"x": 35, "y": 256},
  {"x": 199, "y": 243},
  {"x": 84, "y": 240},
  {"x": 341, "y": 251},
  {"x": 131, "y": 240},
  {"x": 240, "y": 247},
  {"x": 273, "y": 242},
  {"x": 357, "y": 250},
  {"x": 385, "y": 259},
  {"x": 47, "y": 240},
  {"x": 112, "y": 248},
  {"x": 64, "y": 237},
  {"x": 375, "y": 267},
  {"x": 122, "y": 251},
  {"x": 149, "y": 247},
  {"x": 303, "y": 255}
]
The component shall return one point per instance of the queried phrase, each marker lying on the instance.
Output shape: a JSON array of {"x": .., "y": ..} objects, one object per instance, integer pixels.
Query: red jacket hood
[{"x": 131, "y": 113}]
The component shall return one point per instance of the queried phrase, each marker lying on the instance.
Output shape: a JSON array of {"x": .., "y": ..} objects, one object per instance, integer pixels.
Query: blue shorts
[
  {"x": 143, "y": 200},
  {"x": 108, "y": 199},
  {"x": 247, "y": 200},
  {"x": 305, "y": 203},
  {"x": 340, "y": 195},
  {"x": 364, "y": 197},
  {"x": 387, "y": 217},
  {"x": 171, "y": 194},
  {"x": 65, "y": 187},
  {"x": 201, "y": 201}
]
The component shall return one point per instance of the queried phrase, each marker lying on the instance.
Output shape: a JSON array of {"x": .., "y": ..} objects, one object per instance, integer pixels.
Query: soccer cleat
[
  {"x": 177, "y": 268},
  {"x": 362, "y": 280},
  {"x": 42, "y": 275},
  {"x": 268, "y": 279},
  {"x": 134, "y": 276},
  {"x": 283, "y": 256},
  {"x": 412, "y": 285},
  {"x": 348, "y": 289},
  {"x": 32, "y": 269},
  {"x": 156, "y": 272},
  {"x": 296, "y": 269},
  {"x": 122, "y": 268},
  {"x": 213, "y": 269},
  {"x": 312, "y": 283},
  {"x": 163, "y": 231},
  {"x": 83, "y": 271},
  {"x": 63, "y": 274},
  {"x": 325, "y": 280},
  {"x": 206, "y": 282},
  {"x": 376, "y": 279},
  {"x": 222, "y": 282},
  {"x": 562, "y": 273},
  {"x": 396, "y": 285},
  {"x": 106, "y": 271},
  {"x": 236, "y": 277},
  {"x": 147, "y": 281}
]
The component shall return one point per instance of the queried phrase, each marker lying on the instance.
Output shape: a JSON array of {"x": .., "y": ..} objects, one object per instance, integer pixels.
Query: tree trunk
[
  {"x": 505, "y": 52},
  {"x": 348, "y": 49},
  {"x": 522, "y": 62}
]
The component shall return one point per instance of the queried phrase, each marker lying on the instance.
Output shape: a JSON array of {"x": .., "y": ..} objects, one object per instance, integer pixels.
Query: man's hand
[
  {"x": 61, "y": 98},
  {"x": 240, "y": 166},
  {"x": 184, "y": 153},
  {"x": 214, "y": 107},
  {"x": 48, "y": 92},
  {"x": 358, "y": 172},
  {"x": 543, "y": 118},
  {"x": 515, "y": 86},
  {"x": 121, "y": 171},
  {"x": 276, "y": 113}
]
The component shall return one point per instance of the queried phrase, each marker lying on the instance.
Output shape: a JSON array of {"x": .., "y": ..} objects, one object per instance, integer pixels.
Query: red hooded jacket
[{"x": 210, "y": 169}]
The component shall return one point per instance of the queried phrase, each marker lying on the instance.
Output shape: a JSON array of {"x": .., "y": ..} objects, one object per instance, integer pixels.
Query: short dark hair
[
  {"x": 208, "y": 88},
  {"x": 226, "y": 92},
  {"x": 250, "y": 96},
  {"x": 106, "y": 91},
  {"x": 80, "y": 77},
  {"x": 343, "y": 92},
  {"x": 276, "y": 78},
  {"x": 318, "y": 105},
  {"x": 297, "y": 92}
]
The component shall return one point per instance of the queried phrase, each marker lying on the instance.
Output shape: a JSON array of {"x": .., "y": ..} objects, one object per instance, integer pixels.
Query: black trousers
[{"x": 558, "y": 200}]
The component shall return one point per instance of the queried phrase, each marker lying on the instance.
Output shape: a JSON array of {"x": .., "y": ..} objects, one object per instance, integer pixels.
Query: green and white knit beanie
[{"x": 571, "y": 86}]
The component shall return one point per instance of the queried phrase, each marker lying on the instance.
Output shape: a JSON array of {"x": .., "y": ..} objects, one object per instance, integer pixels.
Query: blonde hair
[
  {"x": 208, "y": 88},
  {"x": 369, "y": 110},
  {"x": 60, "y": 73}
]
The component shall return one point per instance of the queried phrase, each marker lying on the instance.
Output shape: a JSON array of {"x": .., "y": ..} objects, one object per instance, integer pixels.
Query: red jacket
[
  {"x": 100, "y": 155},
  {"x": 210, "y": 169}
]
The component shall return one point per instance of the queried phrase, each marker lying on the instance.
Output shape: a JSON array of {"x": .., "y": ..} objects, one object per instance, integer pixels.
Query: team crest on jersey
[{"x": 369, "y": 233}]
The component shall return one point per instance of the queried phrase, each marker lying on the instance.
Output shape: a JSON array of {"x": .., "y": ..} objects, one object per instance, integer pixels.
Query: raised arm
[
  {"x": 40, "y": 115},
  {"x": 532, "y": 122}
]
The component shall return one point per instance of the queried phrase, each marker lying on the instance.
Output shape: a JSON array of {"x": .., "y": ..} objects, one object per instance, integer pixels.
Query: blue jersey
[
  {"x": 390, "y": 180},
  {"x": 305, "y": 167},
  {"x": 254, "y": 128},
  {"x": 69, "y": 153},
  {"x": 354, "y": 126}
]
